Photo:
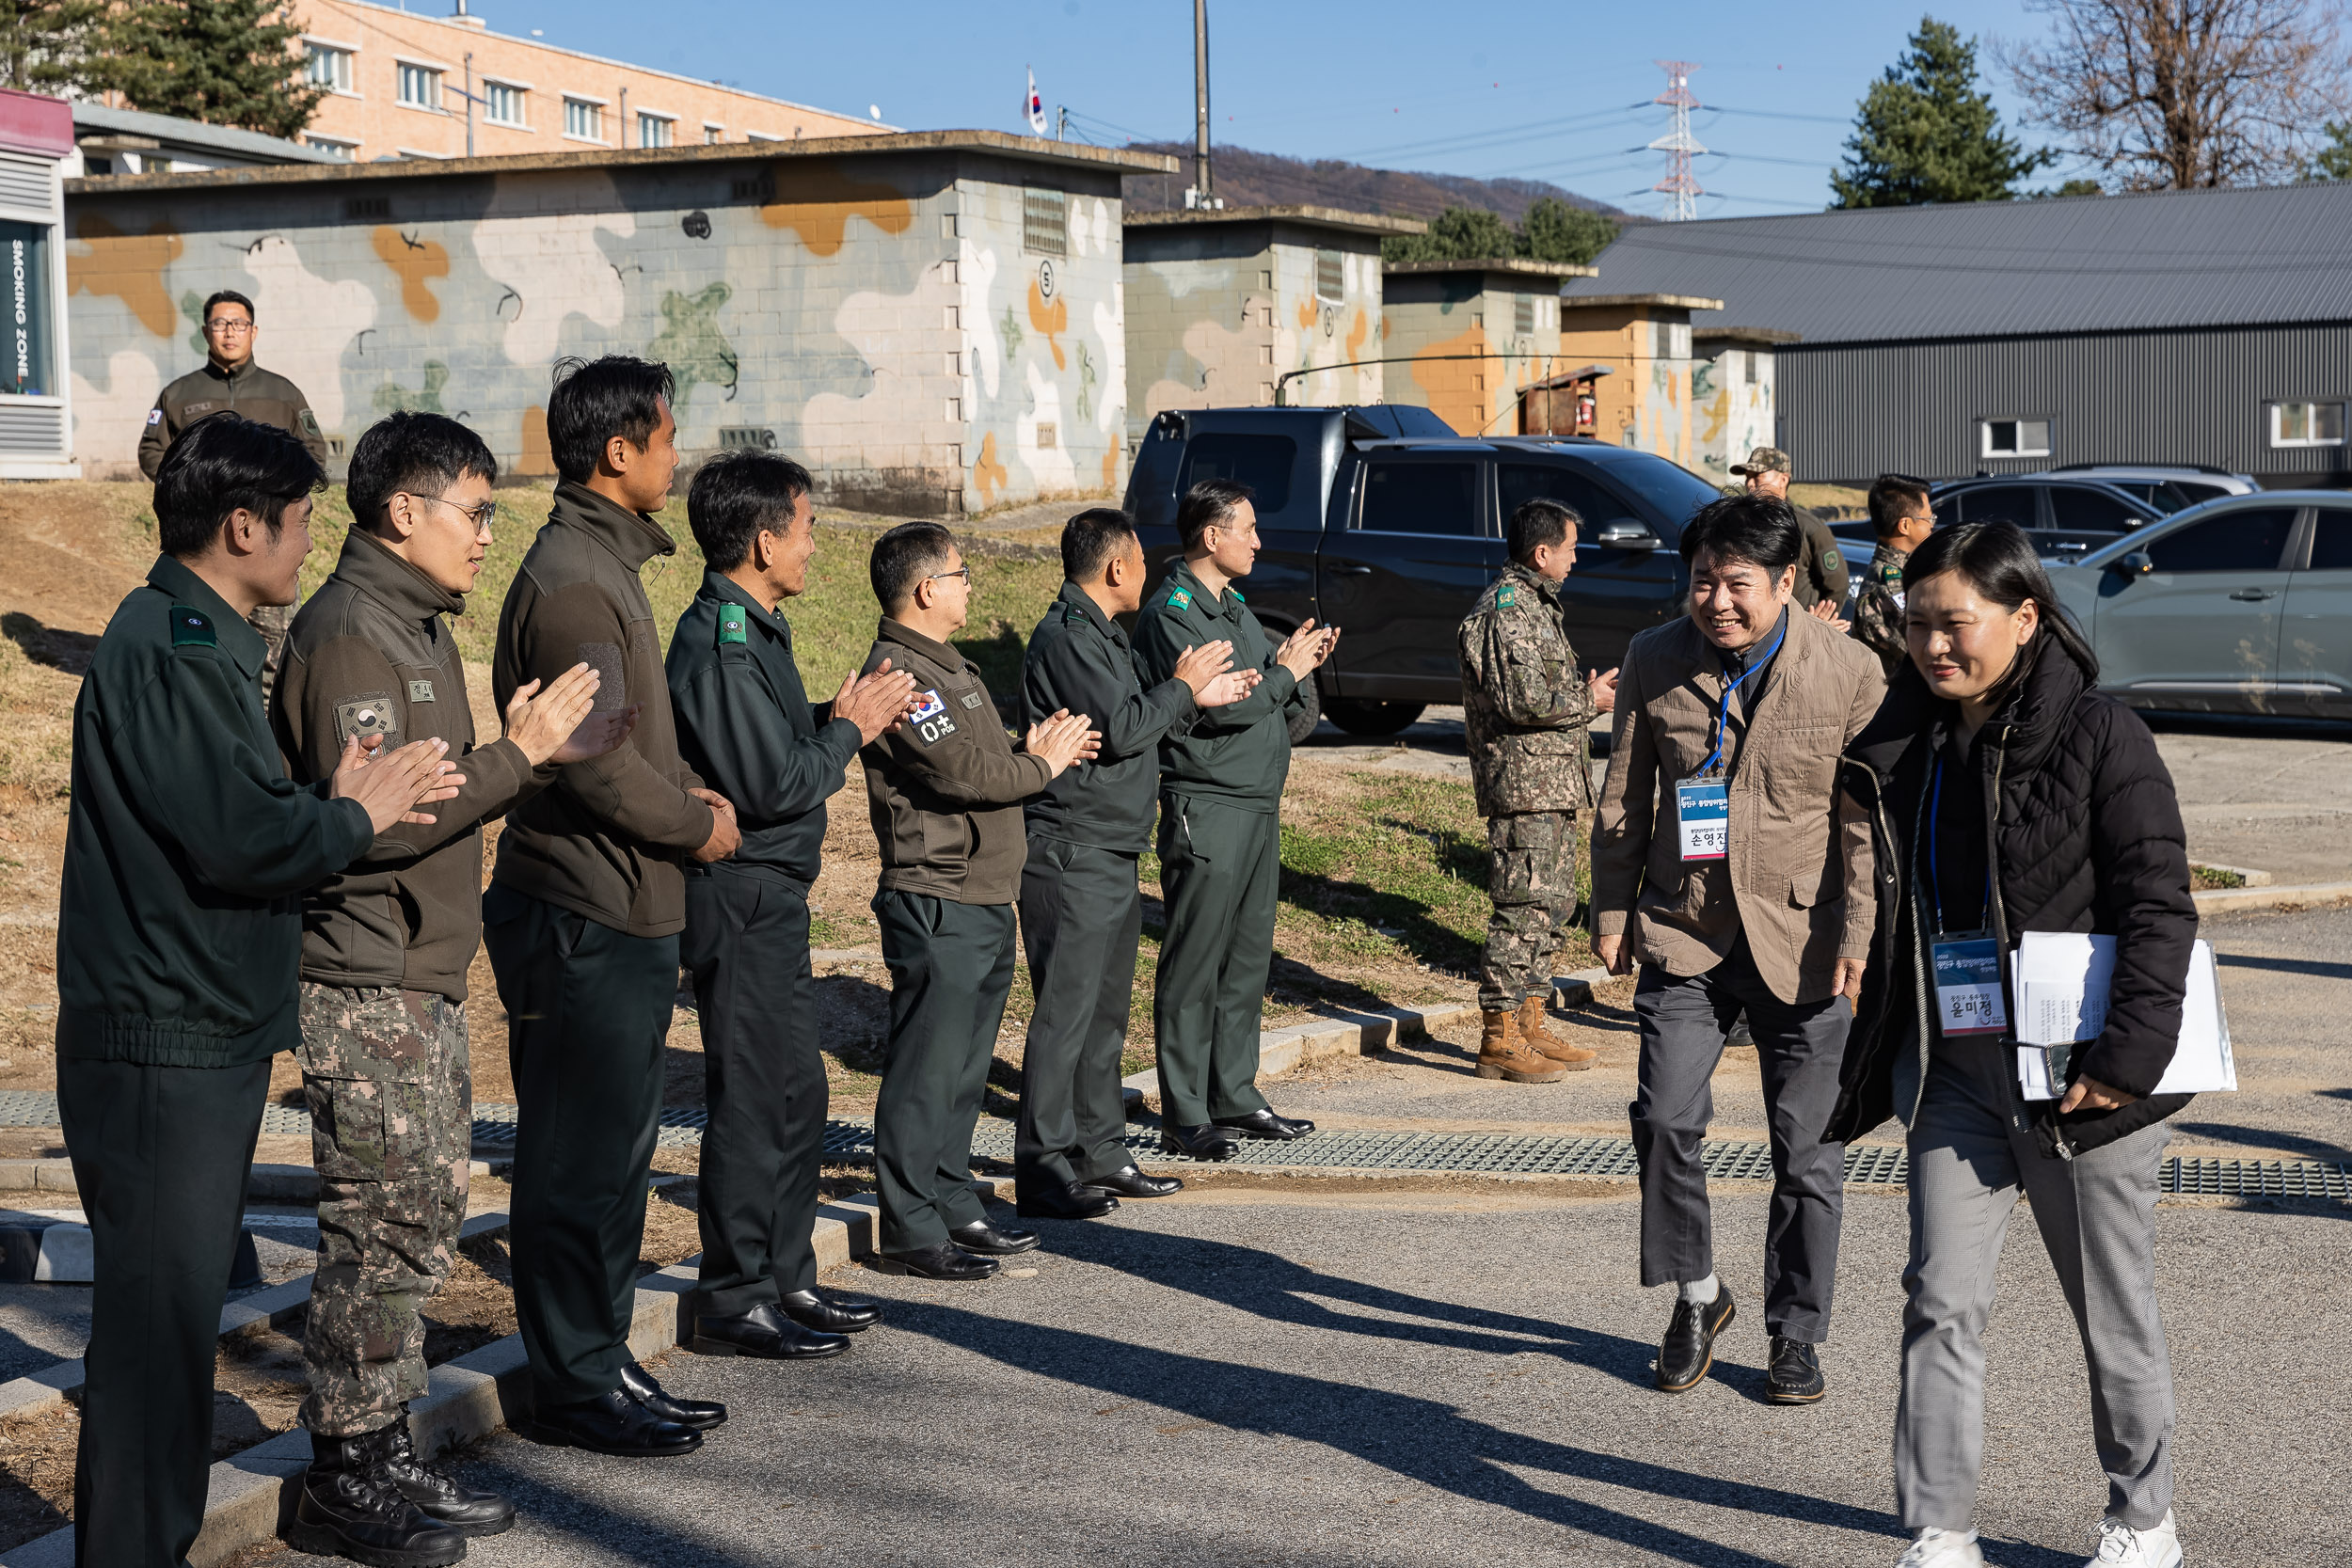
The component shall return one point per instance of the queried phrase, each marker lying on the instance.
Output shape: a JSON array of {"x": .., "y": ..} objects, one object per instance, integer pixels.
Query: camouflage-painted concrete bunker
[
  {"x": 930, "y": 321},
  {"x": 1647, "y": 338},
  {"x": 1733, "y": 395},
  {"x": 1478, "y": 334},
  {"x": 1222, "y": 302}
]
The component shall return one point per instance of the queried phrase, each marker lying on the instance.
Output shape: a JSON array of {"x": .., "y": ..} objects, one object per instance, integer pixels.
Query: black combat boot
[
  {"x": 433, "y": 1491},
  {"x": 345, "y": 1512}
]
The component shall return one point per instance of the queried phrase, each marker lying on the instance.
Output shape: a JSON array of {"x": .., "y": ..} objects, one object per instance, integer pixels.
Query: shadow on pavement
[
  {"x": 2286, "y": 1143},
  {"x": 2286, "y": 966}
]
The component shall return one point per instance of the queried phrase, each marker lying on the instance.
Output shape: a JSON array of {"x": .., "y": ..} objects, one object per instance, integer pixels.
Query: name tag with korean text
[
  {"x": 1969, "y": 999},
  {"x": 1703, "y": 809}
]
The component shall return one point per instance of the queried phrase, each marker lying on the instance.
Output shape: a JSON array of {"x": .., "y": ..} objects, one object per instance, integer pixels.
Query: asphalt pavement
[{"x": 1221, "y": 1379}]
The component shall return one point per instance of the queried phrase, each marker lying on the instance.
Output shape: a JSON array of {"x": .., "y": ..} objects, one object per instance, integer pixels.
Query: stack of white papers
[{"x": 2061, "y": 983}]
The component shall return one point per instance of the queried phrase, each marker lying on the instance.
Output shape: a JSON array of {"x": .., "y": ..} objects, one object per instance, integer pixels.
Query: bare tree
[{"x": 2164, "y": 94}]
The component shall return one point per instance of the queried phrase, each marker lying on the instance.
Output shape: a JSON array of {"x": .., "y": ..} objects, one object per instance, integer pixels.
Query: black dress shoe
[
  {"x": 763, "y": 1333},
  {"x": 638, "y": 1384},
  {"x": 1265, "y": 1124},
  {"x": 615, "y": 1424},
  {"x": 1207, "y": 1142},
  {"x": 1132, "y": 1183},
  {"x": 1689, "y": 1348},
  {"x": 811, "y": 1310},
  {"x": 942, "y": 1261},
  {"x": 990, "y": 1242},
  {"x": 343, "y": 1511},
  {"x": 1073, "y": 1202},
  {"x": 430, "y": 1490},
  {"x": 1795, "y": 1377}
]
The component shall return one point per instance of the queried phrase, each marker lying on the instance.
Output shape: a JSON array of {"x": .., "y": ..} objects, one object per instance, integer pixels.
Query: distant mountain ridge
[{"x": 1246, "y": 179}]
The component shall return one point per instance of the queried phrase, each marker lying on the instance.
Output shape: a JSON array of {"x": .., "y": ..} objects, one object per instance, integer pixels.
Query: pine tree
[
  {"x": 1552, "y": 230},
  {"x": 1456, "y": 235},
  {"x": 2334, "y": 160},
  {"x": 55, "y": 45},
  {"x": 1928, "y": 131},
  {"x": 225, "y": 62}
]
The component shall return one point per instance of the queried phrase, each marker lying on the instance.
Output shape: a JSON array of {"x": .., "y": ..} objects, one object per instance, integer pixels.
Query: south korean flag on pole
[{"x": 1035, "y": 105}]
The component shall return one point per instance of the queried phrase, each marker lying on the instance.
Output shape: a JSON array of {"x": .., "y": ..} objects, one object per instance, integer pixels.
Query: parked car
[
  {"x": 1371, "y": 520},
  {"x": 2236, "y": 606},
  {"x": 2067, "y": 517},
  {"x": 2169, "y": 488}
]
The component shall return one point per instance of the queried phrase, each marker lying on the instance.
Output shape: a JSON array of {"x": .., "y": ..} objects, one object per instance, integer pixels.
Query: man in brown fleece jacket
[
  {"x": 385, "y": 945},
  {"x": 583, "y": 913}
]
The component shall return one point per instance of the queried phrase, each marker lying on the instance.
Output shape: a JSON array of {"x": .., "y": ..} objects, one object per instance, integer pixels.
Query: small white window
[
  {"x": 584, "y": 119},
  {"x": 333, "y": 147},
  {"x": 2016, "y": 438},
  {"x": 329, "y": 67},
  {"x": 502, "y": 104},
  {"x": 654, "y": 130},
  {"x": 420, "y": 87},
  {"x": 713, "y": 134},
  {"x": 2307, "y": 424}
]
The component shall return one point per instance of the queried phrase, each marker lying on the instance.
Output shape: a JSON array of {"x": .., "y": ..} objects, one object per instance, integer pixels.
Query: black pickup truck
[{"x": 1382, "y": 521}]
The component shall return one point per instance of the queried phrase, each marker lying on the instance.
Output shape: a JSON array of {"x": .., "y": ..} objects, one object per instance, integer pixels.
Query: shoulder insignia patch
[
  {"x": 420, "y": 691},
  {"x": 372, "y": 714},
  {"x": 192, "y": 629},
  {"x": 154, "y": 416},
  {"x": 929, "y": 721},
  {"x": 731, "y": 623},
  {"x": 310, "y": 425},
  {"x": 1506, "y": 595},
  {"x": 1180, "y": 598}
]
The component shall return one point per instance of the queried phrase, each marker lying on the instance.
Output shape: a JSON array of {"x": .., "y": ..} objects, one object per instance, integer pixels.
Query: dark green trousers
[
  {"x": 587, "y": 1011},
  {"x": 1218, "y": 871},
  {"x": 746, "y": 944},
  {"x": 951, "y": 968},
  {"x": 1081, "y": 917},
  {"x": 160, "y": 1156}
]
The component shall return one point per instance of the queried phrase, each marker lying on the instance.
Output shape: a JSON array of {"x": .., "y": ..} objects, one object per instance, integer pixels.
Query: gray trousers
[
  {"x": 1683, "y": 1022},
  {"x": 2097, "y": 1215}
]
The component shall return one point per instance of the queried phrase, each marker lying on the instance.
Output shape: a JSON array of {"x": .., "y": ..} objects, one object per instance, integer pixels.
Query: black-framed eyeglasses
[
  {"x": 229, "y": 323},
  {"x": 485, "y": 516}
]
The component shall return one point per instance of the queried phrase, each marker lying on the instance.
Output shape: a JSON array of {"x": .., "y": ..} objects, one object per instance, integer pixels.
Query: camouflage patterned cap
[{"x": 1764, "y": 460}]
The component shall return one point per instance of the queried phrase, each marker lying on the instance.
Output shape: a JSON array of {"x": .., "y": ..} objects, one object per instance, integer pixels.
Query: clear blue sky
[{"x": 1541, "y": 90}]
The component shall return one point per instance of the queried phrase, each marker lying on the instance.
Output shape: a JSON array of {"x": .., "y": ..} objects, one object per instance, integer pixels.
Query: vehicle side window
[
  {"x": 2331, "y": 541},
  {"x": 1262, "y": 461},
  {"x": 2192, "y": 493},
  {"x": 2090, "y": 511},
  {"x": 2247, "y": 541},
  {"x": 2000, "y": 503},
  {"x": 1556, "y": 482},
  {"x": 1405, "y": 497}
]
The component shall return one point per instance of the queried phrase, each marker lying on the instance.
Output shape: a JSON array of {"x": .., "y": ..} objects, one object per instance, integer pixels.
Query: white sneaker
[
  {"x": 2121, "y": 1546},
  {"x": 1942, "y": 1548}
]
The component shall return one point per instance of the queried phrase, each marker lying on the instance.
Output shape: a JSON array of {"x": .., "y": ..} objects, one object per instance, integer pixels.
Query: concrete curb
[
  {"x": 252, "y": 1495},
  {"x": 295, "y": 1184},
  {"x": 2311, "y": 896}
]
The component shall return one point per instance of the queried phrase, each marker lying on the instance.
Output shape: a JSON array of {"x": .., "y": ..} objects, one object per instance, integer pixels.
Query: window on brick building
[
  {"x": 502, "y": 104},
  {"x": 420, "y": 87},
  {"x": 654, "y": 130},
  {"x": 584, "y": 119},
  {"x": 329, "y": 67}
]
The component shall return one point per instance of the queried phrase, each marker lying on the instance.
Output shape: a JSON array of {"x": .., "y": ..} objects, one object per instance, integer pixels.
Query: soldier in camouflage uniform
[
  {"x": 1527, "y": 711},
  {"x": 1902, "y": 519}
]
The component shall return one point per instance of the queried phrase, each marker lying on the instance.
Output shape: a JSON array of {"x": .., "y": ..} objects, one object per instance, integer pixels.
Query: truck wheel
[
  {"x": 1361, "y": 718},
  {"x": 1303, "y": 723}
]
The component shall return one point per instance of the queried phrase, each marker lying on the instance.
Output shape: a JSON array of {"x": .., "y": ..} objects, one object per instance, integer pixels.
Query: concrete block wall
[
  {"x": 1731, "y": 405},
  {"x": 1430, "y": 316}
]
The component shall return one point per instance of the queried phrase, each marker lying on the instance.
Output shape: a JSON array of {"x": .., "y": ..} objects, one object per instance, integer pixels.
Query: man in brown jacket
[
  {"x": 944, "y": 788},
  {"x": 583, "y": 913},
  {"x": 1725, "y": 862}
]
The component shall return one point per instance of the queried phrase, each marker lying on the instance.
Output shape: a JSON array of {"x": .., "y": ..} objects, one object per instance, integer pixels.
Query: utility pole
[
  {"x": 1061, "y": 126},
  {"x": 461, "y": 10},
  {"x": 1201, "y": 102},
  {"x": 1681, "y": 184}
]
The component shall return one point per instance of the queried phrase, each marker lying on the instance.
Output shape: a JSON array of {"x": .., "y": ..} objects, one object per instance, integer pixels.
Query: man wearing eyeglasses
[
  {"x": 231, "y": 380},
  {"x": 385, "y": 950}
]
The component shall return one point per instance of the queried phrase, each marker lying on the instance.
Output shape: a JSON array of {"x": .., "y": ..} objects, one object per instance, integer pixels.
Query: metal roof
[
  {"x": 169, "y": 131},
  {"x": 2168, "y": 258}
]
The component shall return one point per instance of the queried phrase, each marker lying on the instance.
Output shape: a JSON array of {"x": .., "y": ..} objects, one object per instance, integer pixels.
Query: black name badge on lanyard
[{"x": 1969, "y": 999}]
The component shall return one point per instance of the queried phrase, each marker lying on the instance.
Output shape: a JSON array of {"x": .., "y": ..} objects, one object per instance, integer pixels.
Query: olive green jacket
[
  {"x": 261, "y": 396},
  {"x": 1239, "y": 754}
]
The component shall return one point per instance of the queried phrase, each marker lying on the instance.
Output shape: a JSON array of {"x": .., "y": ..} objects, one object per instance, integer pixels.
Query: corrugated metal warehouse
[{"x": 2207, "y": 326}]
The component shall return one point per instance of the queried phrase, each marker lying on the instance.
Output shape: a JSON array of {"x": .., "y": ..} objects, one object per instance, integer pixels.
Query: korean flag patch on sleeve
[{"x": 929, "y": 721}]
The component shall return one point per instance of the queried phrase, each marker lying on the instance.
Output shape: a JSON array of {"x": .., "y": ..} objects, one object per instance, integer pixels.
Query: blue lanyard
[
  {"x": 1935, "y": 881},
  {"x": 1723, "y": 715}
]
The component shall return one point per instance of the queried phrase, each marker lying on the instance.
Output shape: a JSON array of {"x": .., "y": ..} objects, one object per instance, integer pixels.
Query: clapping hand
[
  {"x": 1063, "y": 740},
  {"x": 875, "y": 700},
  {"x": 1305, "y": 648},
  {"x": 390, "y": 786}
]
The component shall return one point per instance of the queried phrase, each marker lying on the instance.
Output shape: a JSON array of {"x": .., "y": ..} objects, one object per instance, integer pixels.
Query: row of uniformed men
[{"x": 216, "y": 910}]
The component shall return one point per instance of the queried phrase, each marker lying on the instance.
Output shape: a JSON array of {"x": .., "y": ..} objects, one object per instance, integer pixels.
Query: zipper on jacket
[
  {"x": 1920, "y": 965},
  {"x": 2000, "y": 931}
]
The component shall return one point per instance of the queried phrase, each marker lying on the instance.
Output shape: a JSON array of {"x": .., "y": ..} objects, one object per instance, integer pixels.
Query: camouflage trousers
[
  {"x": 392, "y": 1114},
  {"x": 1531, "y": 876}
]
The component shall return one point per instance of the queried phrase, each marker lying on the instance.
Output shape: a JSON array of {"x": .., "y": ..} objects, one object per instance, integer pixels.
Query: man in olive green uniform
[
  {"x": 387, "y": 944},
  {"x": 1526, "y": 711},
  {"x": 583, "y": 917},
  {"x": 229, "y": 381},
  {"x": 1902, "y": 518},
  {"x": 1821, "y": 579},
  {"x": 1081, "y": 908},
  {"x": 745, "y": 724},
  {"x": 179, "y": 934},
  {"x": 1221, "y": 776},
  {"x": 944, "y": 788}
]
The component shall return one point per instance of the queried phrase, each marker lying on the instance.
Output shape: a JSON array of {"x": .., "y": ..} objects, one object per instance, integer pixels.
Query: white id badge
[
  {"x": 1969, "y": 999},
  {"x": 1703, "y": 807}
]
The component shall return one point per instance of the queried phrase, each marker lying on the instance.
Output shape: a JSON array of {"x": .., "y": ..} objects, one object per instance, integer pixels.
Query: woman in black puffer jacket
[{"x": 2010, "y": 797}]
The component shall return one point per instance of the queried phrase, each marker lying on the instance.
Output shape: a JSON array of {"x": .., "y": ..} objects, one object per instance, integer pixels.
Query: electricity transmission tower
[{"x": 1680, "y": 185}]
